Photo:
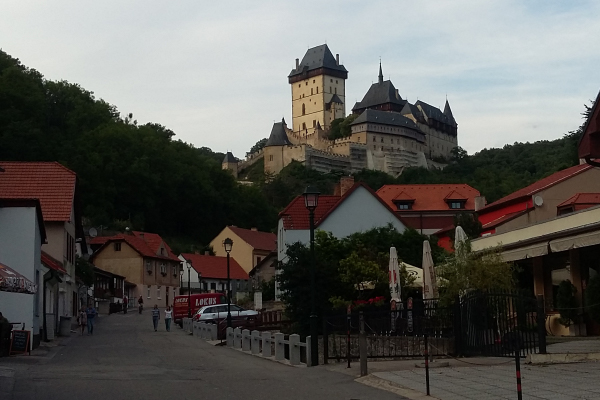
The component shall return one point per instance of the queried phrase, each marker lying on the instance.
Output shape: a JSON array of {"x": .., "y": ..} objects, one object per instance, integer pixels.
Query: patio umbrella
[
  {"x": 12, "y": 281},
  {"x": 394, "y": 274},
  {"x": 460, "y": 241},
  {"x": 430, "y": 290},
  {"x": 415, "y": 272}
]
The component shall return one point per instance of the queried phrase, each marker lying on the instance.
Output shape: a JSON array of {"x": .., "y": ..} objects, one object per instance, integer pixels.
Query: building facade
[{"x": 250, "y": 246}]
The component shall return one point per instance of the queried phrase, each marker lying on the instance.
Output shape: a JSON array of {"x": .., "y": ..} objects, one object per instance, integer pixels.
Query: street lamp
[
  {"x": 228, "y": 244},
  {"x": 200, "y": 282},
  {"x": 189, "y": 267},
  {"x": 311, "y": 200}
]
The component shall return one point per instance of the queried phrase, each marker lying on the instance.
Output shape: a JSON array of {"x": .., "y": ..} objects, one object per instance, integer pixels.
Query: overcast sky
[{"x": 216, "y": 72}]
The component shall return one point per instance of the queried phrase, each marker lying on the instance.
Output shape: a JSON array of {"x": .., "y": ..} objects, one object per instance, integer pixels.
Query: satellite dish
[
  {"x": 538, "y": 201},
  {"x": 93, "y": 232}
]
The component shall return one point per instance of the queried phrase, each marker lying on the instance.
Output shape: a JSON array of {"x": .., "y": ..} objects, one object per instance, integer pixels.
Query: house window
[
  {"x": 162, "y": 251},
  {"x": 213, "y": 286},
  {"x": 258, "y": 259},
  {"x": 457, "y": 204},
  {"x": 403, "y": 206},
  {"x": 174, "y": 271},
  {"x": 163, "y": 269},
  {"x": 148, "y": 294},
  {"x": 117, "y": 246},
  {"x": 148, "y": 267},
  {"x": 158, "y": 292}
]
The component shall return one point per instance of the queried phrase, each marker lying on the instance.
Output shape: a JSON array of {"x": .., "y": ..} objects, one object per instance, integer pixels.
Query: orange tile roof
[
  {"x": 146, "y": 244},
  {"x": 52, "y": 263},
  {"x": 429, "y": 197},
  {"x": 536, "y": 187},
  {"x": 582, "y": 198},
  {"x": 50, "y": 182},
  {"x": 296, "y": 216},
  {"x": 215, "y": 267},
  {"x": 259, "y": 240}
]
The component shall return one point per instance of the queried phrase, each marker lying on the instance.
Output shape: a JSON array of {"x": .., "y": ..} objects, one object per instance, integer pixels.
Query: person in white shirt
[{"x": 168, "y": 316}]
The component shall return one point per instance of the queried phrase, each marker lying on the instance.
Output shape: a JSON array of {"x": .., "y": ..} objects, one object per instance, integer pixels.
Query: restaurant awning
[
  {"x": 534, "y": 250},
  {"x": 12, "y": 281},
  {"x": 574, "y": 242}
]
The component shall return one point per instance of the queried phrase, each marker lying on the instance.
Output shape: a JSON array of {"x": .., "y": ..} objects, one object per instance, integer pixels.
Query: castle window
[
  {"x": 313, "y": 81},
  {"x": 331, "y": 80},
  {"x": 374, "y": 147},
  {"x": 304, "y": 126},
  {"x": 374, "y": 138},
  {"x": 381, "y": 148},
  {"x": 330, "y": 91},
  {"x": 382, "y": 139},
  {"x": 335, "y": 90},
  {"x": 271, "y": 157},
  {"x": 317, "y": 90},
  {"x": 299, "y": 85},
  {"x": 311, "y": 91},
  {"x": 306, "y": 83},
  {"x": 314, "y": 123},
  {"x": 336, "y": 81},
  {"x": 303, "y": 109}
]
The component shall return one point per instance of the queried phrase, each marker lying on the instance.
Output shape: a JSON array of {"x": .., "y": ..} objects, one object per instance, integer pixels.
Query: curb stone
[{"x": 383, "y": 384}]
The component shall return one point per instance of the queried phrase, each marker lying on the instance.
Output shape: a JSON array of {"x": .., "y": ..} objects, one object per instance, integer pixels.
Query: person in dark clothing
[
  {"x": 5, "y": 329},
  {"x": 155, "y": 317}
]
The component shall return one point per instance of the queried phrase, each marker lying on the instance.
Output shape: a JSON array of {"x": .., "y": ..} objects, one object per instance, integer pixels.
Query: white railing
[{"x": 265, "y": 345}]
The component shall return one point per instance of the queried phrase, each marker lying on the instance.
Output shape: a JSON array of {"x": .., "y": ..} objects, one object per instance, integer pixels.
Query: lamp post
[
  {"x": 228, "y": 244},
  {"x": 189, "y": 267},
  {"x": 199, "y": 282},
  {"x": 311, "y": 200}
]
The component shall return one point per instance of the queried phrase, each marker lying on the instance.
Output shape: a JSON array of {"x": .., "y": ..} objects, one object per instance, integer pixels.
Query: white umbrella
[
  {"x": 460, "y": 241},
  {"x": 430, "y": 290},
  {"x": 414, "y": 272},
  {"x": 394, "y": 275}
]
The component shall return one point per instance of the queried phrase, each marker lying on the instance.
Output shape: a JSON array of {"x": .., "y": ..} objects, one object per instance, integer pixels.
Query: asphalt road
[{"x": 125, "y": 359}]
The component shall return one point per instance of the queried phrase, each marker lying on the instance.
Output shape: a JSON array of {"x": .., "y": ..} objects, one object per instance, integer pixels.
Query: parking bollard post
[
  {"x": 279, "y": 347},
  {"x": 266, "y": 347}
]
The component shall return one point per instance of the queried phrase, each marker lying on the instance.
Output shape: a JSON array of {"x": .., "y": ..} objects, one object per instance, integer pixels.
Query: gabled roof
[
  {"x": 258, "y": 240},
  {"x": 296, "y": 217},
  {"x": 430, "y": 197},
  {"x": 146, "y": 244},
  {"x": 17, "y": 202},
  {"x": 278, "y": 135},
  {"x": 581, "y": 198},
  {"x": 50, "y": 182},
  {"x": 315, "y": 58},
  {"x": 454, "y": 195},
  {"x": 215, "y": 267},
  {"x": 52, "y": 263},
  {"x": 536, "y": 187},
  {"x": 403, "y": 196},
  {"x": 433, "y": 112},
  {"x": 385, "y": 118},
  {"x": 380, "y": 93}
]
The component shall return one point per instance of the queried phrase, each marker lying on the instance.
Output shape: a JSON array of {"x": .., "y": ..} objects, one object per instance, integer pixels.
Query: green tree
[
  {"x": 84, "y": 270},
  {"x": 592, "y": 298},
  {"x": 258, "y": 145},
  {"x": 566, "y": 303}
]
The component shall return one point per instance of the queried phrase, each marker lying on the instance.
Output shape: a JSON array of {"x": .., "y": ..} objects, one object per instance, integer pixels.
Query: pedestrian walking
[
  {"x": 91, "y": 318},
  {"x": 155, "y": 317},
  {"x": 82, "y": 319},
  {"x": 168, "y": 317},
  {"x": 140, "y": 304}
]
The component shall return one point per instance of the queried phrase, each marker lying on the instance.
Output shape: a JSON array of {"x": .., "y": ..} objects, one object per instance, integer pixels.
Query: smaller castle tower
[{"x": 230, "y": 163}]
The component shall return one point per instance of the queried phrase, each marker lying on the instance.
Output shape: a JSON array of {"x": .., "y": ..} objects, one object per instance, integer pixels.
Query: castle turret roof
[
  {"x": 435, "y": 113},
  {"x": 318, "y": 57},
  {"x": 278, "y": 135},
  {"x": 448, "y": 113},
  {"x": 229, "y": 158},
  {"x": 382, "y": 92}
]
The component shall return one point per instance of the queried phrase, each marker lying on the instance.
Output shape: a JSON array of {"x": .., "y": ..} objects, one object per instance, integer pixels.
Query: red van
[{"x": 180, "y": 304}]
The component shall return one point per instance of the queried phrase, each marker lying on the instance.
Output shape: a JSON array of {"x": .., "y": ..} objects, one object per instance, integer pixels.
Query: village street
[{"x": 126, "y": 359}]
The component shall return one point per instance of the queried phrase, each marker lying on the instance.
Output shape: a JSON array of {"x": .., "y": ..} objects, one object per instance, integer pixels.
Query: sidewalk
[{"x": 482, "y": 382}]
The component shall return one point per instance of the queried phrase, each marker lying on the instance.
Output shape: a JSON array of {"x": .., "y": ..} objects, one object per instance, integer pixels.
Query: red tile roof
[
  {"x": 50, "y": 182},
  {"x": 429, "y": 197},
  {"x": 536, "y": 187},
  {"x": 52, "y": 263},
  {"x": 146, "y": 244},
  {"x": 215, "y": 267},
  {"x": 259, "y": 240},
  {"x": 502, "y": 219},
  {"x": 296, "y": 216},
  {"x": 582, "y": 198}
]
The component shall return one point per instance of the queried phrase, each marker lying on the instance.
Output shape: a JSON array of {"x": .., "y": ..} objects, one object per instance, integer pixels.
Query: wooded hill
[{"x": 142, "y": 177}]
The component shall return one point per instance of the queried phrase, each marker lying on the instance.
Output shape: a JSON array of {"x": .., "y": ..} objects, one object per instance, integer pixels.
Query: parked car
[
  {"x": 213, "y": 313},
  {"x": 198, "y": 300}
]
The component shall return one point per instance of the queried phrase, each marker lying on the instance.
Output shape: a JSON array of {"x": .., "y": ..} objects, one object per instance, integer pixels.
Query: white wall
[{"x": 20, "y": 249}]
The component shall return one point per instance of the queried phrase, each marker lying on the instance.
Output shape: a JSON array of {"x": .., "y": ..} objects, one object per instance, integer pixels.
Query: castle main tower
[{"x": 318, "y": 90}]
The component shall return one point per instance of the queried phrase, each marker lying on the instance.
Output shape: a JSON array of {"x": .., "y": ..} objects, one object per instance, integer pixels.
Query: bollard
[
  {"x": 246, "y": 340},
  {"x": 213, "y": 332},
  {"x": 229, "y": 336},
  {"x": 308, "y": 355},
  {"x": 362, "y": 344},
  {"x": 266, "y": 347},
  {"x": 294, "y": 344},
  {"x": 426, "y": 365},
  {"x": 202, "y": 329},
  {"x": 279, "y": 347},
  {"x": 237, "y": 338},
  {"x": 255, "y": 342}
]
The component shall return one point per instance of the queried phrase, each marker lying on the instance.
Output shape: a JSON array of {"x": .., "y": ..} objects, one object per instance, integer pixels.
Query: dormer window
[
  {"x": 456, "y": 205},
  {"x": 404, "y": 205}
]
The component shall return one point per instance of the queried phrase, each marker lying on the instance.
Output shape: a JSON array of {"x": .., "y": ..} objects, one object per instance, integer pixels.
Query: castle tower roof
[
  {"x": 316, "y": 58},
  {"x": 448, "y": 113},
  {"x": 382, "y": 92},
  {"x": 278, "y": 135},
  {"x": 380, "y": 73},
  {"x": 229, "y": 158}
]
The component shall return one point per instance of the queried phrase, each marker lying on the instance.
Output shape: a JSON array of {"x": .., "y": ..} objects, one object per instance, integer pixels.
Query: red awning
[{"x": 12, "y": 281}]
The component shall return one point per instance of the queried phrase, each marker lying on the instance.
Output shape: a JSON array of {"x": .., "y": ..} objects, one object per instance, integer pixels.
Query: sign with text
[{"x": 19, "y": 342}]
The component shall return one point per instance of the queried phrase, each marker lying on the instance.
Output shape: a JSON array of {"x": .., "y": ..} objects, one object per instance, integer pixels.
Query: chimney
[
  {"x": 297, "y": 63},
  {"x": 254, "y": 229},
  {"x": 346, "y": 182},
  {"x": 337, "y": 59},
  {"x": 337, "y": 190},
  {"x": 479, "y": 202}
]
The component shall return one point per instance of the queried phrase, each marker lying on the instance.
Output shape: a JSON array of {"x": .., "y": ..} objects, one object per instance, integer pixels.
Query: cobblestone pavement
[{"x": 552, "y": 382}]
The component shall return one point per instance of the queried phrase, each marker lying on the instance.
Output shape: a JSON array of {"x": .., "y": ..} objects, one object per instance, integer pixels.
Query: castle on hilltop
[{"x": 388, "y": 134}]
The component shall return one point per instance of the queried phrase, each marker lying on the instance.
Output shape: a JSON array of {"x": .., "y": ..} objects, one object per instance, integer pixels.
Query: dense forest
[{"x": 141, "y": 176}]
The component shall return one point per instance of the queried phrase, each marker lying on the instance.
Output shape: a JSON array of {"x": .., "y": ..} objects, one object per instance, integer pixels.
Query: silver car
[{"x": 212, "y": 313}]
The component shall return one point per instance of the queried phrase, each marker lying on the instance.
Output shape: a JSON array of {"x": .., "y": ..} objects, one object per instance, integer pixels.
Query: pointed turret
[
  {"x": 230, "y": 163},
  {"x": 380, "y": 73},
  {"x": 448, "y": 112}
]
